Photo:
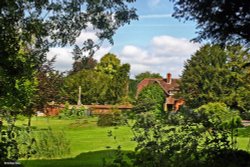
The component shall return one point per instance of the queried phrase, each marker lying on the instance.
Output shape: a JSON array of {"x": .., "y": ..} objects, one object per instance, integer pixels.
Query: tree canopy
[
  {"x": 96, "y": 83},
  {"x": 29, "y": 28},
  {"x": 226, "y": 21},
  {"x": 146, "y": 74},
  {"x": 214, "y": 74}
]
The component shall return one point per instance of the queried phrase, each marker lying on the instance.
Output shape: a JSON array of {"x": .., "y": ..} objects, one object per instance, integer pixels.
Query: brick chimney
[{"x": 169, "y": 79}]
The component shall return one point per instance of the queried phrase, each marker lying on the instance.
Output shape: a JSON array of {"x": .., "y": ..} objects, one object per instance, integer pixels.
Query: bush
[
  {"x": 112, "y": 119},
  {"x": 51, "y": 144},
  {"x": 73, "y": 113}
]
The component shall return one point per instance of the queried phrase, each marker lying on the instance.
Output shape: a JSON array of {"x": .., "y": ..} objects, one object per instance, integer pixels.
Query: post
[{"x": 79, "y": 102}]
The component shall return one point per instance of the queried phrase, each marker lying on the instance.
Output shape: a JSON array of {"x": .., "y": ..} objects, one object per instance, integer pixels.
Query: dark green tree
[
  {"x": 29, "y": 28},
  {"x": 214, "y": 74},
  {"x": 226, "y": 21},
  {"x": 138, "y": 78},
  {"x": 118, "y": 90},
  {"x": 82, "y": 62},
  {"x": 155, "y": 95},
  {"x": 146, "y": 74},
  {"x": 94, "y": 87}
]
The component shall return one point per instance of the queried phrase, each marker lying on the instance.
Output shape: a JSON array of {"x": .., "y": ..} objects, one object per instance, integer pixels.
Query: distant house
[{"x": 169, "y": 85}]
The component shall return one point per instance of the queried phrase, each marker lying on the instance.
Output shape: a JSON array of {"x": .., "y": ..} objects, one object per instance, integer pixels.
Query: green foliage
[
  {"x": 191, "y": 142},
  {"x": 154, "y": 95},
  {"x": 8, "y": 146},
  {"x": 110, "y": 119},
  {"x": 218, "y": 114},
  {"x": 15, "y": 143},
  {"x": 49, "y": 85},
  {"x": 146, "y": 74},
  {"x": 94, "y": 87},
  {"x": 214, "y": 74},
  {"x": 82, "y": 62},
  {"x": 73, "y": 113},
  {"x": 51, "y": 144},
  {"x": 210, "y": 17},
  {"x": 109, "y": 64}
]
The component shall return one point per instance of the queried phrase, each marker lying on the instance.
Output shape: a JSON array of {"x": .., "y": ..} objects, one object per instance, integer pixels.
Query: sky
[{"x": 156, "y": 42}]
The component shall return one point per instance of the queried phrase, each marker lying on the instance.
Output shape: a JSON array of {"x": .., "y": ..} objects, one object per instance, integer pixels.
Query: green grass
[{"x": 89, "y": 142}]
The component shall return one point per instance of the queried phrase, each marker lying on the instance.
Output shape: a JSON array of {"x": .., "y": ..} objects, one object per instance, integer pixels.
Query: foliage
[
  {"x": 118, "y": 90},
  {"x": 138, "y": 78},
  {"x": 154, "y": 95},
  {"x": 146, "y": 74},
  {"x": 218, "y": 114},
  {"x": 73, "y": 113},
  {"x": 214, "y": 74},
  {"x": 51, "y": 144},
  {"x": 49, "y": 85},
  {"x": 221, "y": 21},
  {"x": 109, "y": 64},
  {"x": 94, "y": 87},
  {"x": 15, "y": 142},
  {"x": 29, "y": 28},
  {"x": 190, "y": 143},
  {"x": 82, "y": 62},
  {"x": 110, "y": 119}
]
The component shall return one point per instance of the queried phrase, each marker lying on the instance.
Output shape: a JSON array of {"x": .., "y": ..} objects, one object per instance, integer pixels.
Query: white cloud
[
  {"x": 63, "y": 58},
  {"x": 86, "y": 35},
  {"x": 164, "y": 54}
]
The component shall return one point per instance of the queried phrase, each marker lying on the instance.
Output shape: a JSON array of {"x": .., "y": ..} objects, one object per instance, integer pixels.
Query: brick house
[{"x": 169, "y": 85}]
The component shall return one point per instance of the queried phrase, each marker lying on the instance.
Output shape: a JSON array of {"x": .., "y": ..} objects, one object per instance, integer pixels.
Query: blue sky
[{"x": 156, "y": 42}]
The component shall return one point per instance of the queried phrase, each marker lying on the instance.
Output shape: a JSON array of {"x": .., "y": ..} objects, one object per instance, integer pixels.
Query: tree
[
  {"x": 226, "y": 21},
  {"x": 82, "y": 62},
  {"x": 138, "y": 78},
  {"x": 37, "y": 25},
  {"x": 118, "y": 90},
  {"x": 155, "y": 95},
  {"x": 49, "y": 85},
  {"x": 94, "y": 87},
  {"x": 214, "y": 74},
  {"x": 146, "y": 74},
  {"x": 118, "y": 73},
  {"x": 29, "y": 28},
  {"x": 109, "y": 64}
]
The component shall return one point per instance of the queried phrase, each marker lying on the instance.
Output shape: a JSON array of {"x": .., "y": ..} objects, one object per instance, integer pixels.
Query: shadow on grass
[
  {"x": 88, "y": 159},
  {"x": 244, "y": 132}
]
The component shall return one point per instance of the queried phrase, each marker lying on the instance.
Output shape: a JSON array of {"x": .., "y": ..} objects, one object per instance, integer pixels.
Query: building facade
[{"x": 170, "y": 87}]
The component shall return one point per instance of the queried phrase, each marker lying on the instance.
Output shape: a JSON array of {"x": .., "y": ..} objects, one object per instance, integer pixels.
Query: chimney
[{"x": 169, "y": 79}]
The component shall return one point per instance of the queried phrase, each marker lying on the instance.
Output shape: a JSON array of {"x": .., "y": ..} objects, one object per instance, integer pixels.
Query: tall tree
[
  {"x": 29, "y": 28},
  {"x": 214, "y": 74},
  {"x": 109, "y": 64},
  {"x": 226, "y": 21},
  {"x": 37, "y": 25},
  {"x": 49, "y": 85},
  {"x": 138, "y": 78},
  {"x": 94, "y": 87},
  {"x": 146, "y": 74}
]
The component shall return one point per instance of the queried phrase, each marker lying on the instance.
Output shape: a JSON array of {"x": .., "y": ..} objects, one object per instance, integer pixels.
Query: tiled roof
[{"x": 167, "y": 87}]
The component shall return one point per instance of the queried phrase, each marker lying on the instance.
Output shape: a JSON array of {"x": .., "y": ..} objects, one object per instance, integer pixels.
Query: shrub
[
  {"x": 112, "y": 119},
  {"x": 51, "y": 144},
  {"x": 68, "y": 113}
]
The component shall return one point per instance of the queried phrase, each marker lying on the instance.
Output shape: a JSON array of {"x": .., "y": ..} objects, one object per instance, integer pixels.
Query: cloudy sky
[{"x": 156, "y": 42}]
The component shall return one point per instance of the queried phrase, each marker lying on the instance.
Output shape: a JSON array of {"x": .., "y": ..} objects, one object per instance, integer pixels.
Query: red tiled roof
[{"x": 173, "y": 85}]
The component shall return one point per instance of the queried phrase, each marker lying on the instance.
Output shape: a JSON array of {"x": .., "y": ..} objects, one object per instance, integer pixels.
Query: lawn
[{"x": 90, "y": 143}]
